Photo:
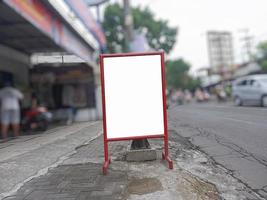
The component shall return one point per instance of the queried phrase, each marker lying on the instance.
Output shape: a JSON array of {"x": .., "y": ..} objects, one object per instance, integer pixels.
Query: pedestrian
[{"x": 10, "y": 109}]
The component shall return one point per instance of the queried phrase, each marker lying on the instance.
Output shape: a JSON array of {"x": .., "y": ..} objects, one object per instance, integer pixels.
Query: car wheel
[
  {"x": 238, "y": 101},
  {"x": 264, "y": 101}
]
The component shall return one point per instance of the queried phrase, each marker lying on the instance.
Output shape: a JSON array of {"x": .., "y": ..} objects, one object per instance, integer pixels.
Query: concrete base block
[{"x": 141, "y": 155}]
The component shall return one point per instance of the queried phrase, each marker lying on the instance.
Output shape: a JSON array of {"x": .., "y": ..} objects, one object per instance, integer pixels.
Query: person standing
[{"x": 10, "y": 109}]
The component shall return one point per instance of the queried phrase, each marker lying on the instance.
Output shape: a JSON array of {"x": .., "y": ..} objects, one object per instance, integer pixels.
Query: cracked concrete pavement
[
  {"x": 65, "y": 163},
  {"x": 29, "y": 156},
  {"x": 233, "y": 137},
  {"x": 69, "y": 167}
]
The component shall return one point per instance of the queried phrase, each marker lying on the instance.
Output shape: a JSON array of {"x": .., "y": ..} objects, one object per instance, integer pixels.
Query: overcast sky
[{"x": 195, "y": 17}]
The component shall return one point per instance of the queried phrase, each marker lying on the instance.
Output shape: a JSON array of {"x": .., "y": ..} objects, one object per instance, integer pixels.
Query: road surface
[{"x": 234, "y": 137}]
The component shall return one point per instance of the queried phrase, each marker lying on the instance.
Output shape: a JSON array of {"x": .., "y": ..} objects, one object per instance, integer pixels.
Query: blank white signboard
[{"x": 133, "y": 96}]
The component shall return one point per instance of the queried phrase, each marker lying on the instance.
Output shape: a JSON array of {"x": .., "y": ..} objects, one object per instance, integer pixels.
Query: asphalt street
[{"x": 234, "y": 137}]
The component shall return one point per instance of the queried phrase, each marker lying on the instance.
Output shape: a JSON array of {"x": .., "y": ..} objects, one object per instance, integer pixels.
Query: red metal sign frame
[{"x": 165, "y": 153}]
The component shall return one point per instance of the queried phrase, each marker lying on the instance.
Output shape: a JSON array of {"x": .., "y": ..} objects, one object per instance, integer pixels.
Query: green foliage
[
  {"x": 262, "y": 48},
  {"x": 158, "y": 33},
  {"x": 176, "y": 72},
  {"x": 264, "y": 65},
  {"x": 177, "y": 75},
  {"x": 113, "y": 27},
  {"x": 159, "y": 36},
  {"x": 193, "y": 83}
]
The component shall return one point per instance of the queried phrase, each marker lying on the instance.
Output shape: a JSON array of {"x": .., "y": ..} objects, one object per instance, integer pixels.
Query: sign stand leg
[
  {"x": 107, "y": 160},
  {"x": 165, "y": 154}
]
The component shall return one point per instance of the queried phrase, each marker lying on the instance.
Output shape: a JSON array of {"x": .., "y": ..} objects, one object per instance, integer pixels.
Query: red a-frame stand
[{"x": 165, "y": 153}]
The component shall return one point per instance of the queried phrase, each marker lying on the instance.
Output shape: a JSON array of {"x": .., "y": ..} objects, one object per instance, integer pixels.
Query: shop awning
[
  {"x": 30, "y": 26},
  {"x": 17, "y": 33}
]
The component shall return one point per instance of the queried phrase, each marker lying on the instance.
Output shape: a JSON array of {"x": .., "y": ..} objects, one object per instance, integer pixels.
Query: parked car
[{"x": 250, "y": 90}]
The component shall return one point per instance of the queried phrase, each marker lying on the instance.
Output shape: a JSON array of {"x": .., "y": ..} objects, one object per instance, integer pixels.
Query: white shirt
[{"x": 9, "y": 98}]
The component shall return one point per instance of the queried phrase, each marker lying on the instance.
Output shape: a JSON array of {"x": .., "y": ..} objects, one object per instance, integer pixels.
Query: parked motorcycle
[{"x": 36, "y": 119}]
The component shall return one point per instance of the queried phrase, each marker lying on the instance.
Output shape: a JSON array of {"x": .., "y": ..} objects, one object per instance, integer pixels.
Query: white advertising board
[{"x": 133, "y": 96}]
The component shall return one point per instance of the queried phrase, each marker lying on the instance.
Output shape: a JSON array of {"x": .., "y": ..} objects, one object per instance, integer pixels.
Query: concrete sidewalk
[
  {"x": 29, "y": 156},
  {"x": 67, "y": 164},
  {"x": 79, "y": 176}
]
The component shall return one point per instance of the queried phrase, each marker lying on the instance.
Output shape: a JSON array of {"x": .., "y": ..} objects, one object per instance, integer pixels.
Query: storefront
[
  {"x": 66, "y": 86},
  {"x": 30, "y": 27}
]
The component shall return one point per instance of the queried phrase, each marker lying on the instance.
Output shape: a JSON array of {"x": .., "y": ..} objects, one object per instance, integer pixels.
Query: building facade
[
  {"x": 220, "y": 51},
  {"x": 41, "y": 27}
]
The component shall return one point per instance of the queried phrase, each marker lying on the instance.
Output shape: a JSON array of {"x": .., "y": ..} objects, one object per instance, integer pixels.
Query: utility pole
[
  {"x": 247, "y": 39},
  {"x": 129, "y": 35},
  {"x": 128, "y": 24},
  {"x": 97, "y": 4}
]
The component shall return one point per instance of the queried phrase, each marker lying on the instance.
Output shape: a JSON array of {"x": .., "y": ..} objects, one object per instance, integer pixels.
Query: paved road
[{"x": 235, "y": 137}]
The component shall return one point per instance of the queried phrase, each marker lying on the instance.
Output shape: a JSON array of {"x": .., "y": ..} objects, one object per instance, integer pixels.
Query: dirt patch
[
  {"x": 144, "y": 186},
  {"x": 204, "y": 190}
]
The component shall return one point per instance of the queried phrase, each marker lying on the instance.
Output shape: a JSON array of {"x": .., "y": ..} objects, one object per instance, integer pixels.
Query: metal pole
[
  {"x": 128, "y": 24},
  {"x": 128, "y": 31}
]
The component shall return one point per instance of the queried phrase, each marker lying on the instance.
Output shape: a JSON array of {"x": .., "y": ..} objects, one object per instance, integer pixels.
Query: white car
[{"x": 250, "y": 90}]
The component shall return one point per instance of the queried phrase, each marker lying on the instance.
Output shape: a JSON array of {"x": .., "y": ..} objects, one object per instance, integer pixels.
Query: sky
[{"x": 195, "y": 17}]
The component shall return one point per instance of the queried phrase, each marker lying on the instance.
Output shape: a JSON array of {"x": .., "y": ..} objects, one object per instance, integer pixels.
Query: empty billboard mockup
[{"x": 133, "y": 96}]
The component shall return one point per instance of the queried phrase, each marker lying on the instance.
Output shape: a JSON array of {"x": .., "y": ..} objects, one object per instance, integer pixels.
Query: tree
[
  {"x": 177, "y": 75},
  {"x": 193, "y": 83},
  {"x": 262, "y": 48},
  {"x": 263, "y": 64},
  {"x": 157, "y": 32}
]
